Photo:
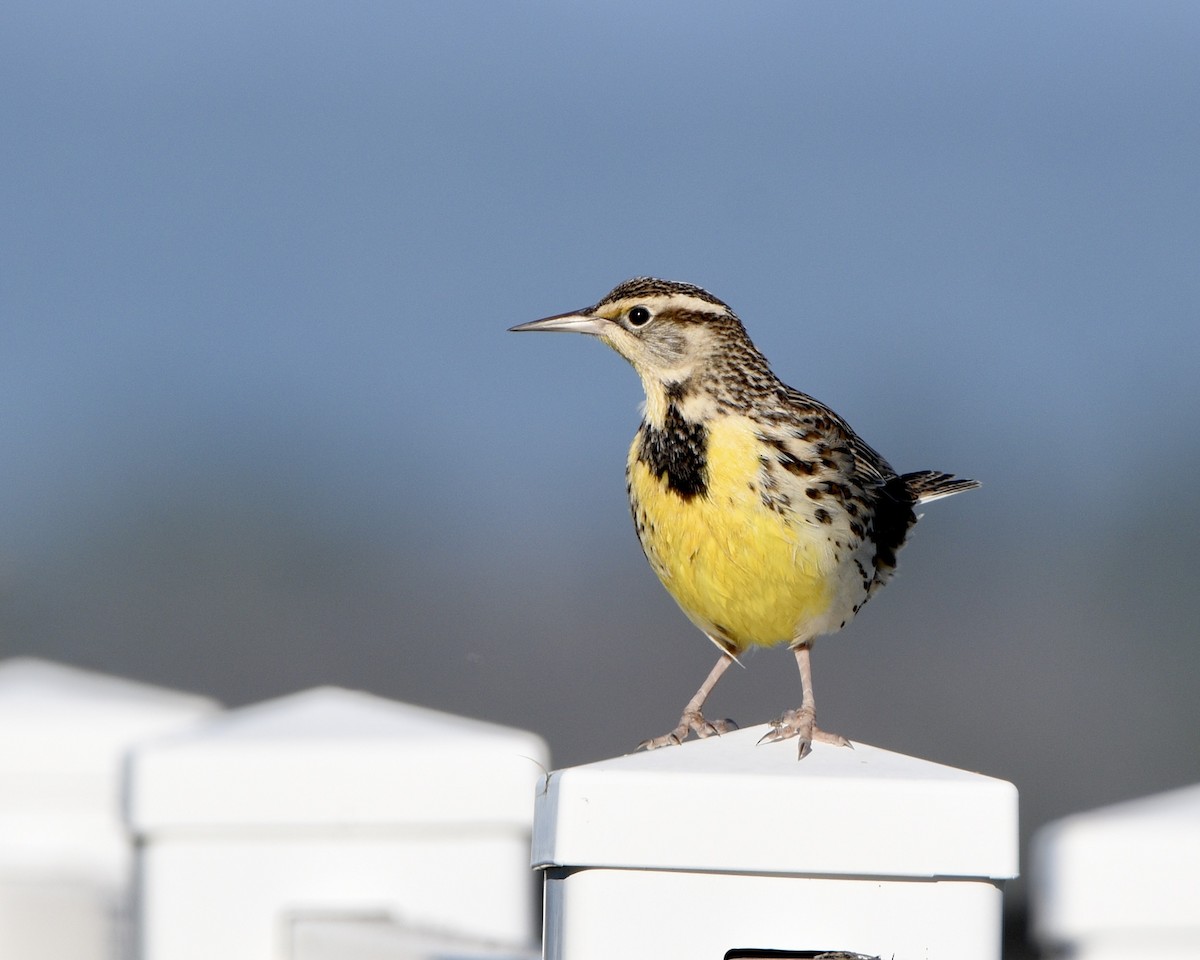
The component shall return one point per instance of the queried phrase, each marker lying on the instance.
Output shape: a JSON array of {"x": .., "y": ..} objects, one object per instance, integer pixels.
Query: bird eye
[{"x": 639, "y": 316}]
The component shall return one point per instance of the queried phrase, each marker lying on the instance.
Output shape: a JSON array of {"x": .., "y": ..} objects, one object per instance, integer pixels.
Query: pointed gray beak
[{"x": 562, "y": 323}]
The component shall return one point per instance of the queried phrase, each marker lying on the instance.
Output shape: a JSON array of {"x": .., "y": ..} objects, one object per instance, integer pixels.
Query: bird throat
[{"x": 676, "y": 452}]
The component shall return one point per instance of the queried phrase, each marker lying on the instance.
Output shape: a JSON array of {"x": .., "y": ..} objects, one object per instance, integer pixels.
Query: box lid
[
  {"x": 728, "y": 804},
  {"x": 66, "y": 730},
  {"x": 330, "y": 756},
  {"x": 1126, "y": 867},
  {"x": 64, "y": 733}
]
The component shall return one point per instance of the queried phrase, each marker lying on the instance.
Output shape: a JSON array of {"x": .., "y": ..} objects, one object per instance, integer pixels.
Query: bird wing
[{"x": 860, "y": 460}]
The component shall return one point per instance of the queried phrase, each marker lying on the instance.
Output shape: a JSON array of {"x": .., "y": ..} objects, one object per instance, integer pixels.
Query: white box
[
  {"x": 722, "y": 845},
  {"x": 1121, "y": 881},
  {"x": 65, "y": 859},
  {"x": 332, "y": 801},
  {"x": 340, "y": 938}
]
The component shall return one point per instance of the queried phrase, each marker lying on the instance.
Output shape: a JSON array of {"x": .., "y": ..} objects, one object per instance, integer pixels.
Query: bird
[{"x": 765, "y": 516}]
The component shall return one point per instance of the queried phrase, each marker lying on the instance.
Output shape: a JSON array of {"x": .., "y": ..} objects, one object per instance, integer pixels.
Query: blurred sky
[{"x": 264, "y": 429}]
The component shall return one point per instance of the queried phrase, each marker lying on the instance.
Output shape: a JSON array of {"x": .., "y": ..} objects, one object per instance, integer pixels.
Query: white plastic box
[
  {"x": 364, "y": 939},
  {"x": 721, "y": 845},
  {"x": 1121, "y": 881},
  {"x": 65, "y": 859},
  {"x": 332, "y": 803}
]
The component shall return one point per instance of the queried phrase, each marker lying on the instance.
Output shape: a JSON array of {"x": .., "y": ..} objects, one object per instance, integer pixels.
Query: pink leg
[
  {"x": 802, "y": 722},
  {"x": 693, "y": 720}
]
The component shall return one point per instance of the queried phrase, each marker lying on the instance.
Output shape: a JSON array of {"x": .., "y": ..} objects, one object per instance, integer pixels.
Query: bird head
[{"x": 676, "y": 335}]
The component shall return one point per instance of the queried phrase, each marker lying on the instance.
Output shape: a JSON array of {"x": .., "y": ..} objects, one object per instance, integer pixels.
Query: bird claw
[
  {"x": 802, "y": 725},
  {"x": 689, "y": 723}
]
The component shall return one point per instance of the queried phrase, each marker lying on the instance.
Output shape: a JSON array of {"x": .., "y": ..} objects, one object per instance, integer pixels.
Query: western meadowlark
[{"x": 764, "y": 515}]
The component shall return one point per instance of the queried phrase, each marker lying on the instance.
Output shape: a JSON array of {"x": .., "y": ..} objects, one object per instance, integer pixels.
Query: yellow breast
[{"x": 741, "y": 571}]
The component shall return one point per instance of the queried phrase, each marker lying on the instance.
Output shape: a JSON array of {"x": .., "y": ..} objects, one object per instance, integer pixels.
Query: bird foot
[
  {"x": 801, "y": 723},
  {"x": 691, "y": 722}
]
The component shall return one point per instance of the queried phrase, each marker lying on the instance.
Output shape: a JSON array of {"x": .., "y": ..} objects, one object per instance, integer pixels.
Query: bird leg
[
  {"x": 693, "y": 720},
  {"x": 801, "y": 722}
]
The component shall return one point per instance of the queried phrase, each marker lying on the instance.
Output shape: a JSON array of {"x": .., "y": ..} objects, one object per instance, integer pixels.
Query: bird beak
[{"x": 563, "y": 323}]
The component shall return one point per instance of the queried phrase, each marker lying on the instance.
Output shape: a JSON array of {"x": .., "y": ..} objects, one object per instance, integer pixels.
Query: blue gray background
[{"x": 263, "y": 429}]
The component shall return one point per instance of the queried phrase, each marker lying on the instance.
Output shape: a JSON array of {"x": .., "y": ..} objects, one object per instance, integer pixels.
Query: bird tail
[{"x": 926, "y": 485}]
